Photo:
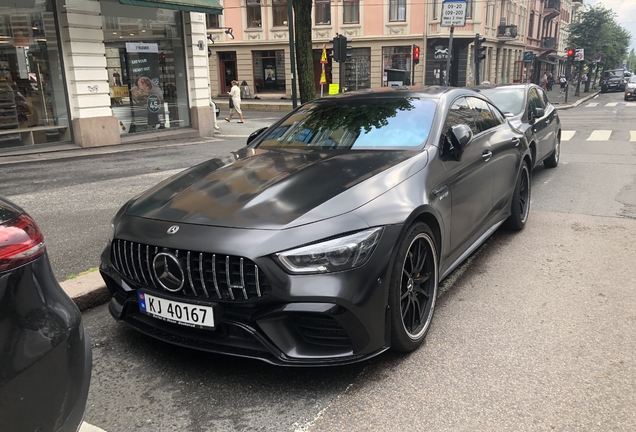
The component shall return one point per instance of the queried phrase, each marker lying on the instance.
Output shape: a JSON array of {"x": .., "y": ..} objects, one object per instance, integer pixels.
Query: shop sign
[
  {"x": 142, "y": 47},
  {"x": 440, "y": 52},
  {"x": 154, "y": 104},
  {"x": 144, "y": 68},
  {"x": 527, "y": 56},
  {"x": 119, "y": 92}
]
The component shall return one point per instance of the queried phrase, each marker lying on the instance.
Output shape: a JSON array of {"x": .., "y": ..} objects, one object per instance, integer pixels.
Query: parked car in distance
[
  {"x": 324, "y": 240},
  {"x": 614, "y": 79},
  {"x": 528, "y": 109},
  {"x": 630, "y": 88},
  {"x": 45, "y": 357}
]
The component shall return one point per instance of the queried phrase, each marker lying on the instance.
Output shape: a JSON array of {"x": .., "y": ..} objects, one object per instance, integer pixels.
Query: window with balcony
[
  {"x": 254, "y": 14},
  {"x": 213, "y": 21},
  {"x": 397, "y": 10},
  {"x": 351, "y": 11},
  {"x": 323, "y": 12},
  {"x": 279, "y": 9}
]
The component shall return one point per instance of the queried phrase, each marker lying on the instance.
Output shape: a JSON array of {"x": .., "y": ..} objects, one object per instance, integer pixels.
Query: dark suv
[{"x": 613, "y": 80}]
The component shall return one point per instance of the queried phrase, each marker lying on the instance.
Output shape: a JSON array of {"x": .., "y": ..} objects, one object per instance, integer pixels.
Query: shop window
[
  {"x": 254, "y": 19},
  {"x": 358, "y": 69},
  {"x": 396, "y": 65},
  {"x": 213, "y": 21},
  {"x": 33, "y": 101},
  {"x": 351, "y": 11},
  {"x": 145, "y": 59},
  {"x": 323, "y": 12},
  {"x": 269, "y": 71},
  {"x": 397, "y": 10},
  {"x": 279, "y": 9}
]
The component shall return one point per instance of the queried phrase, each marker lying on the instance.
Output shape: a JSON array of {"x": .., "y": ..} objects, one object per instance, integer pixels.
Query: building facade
[{"x": 100, "y": 73}]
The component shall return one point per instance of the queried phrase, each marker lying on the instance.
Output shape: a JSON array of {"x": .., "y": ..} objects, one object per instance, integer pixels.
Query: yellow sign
[
  {"x": 323, "y": 57},
  {"x": 323, "y": 76},
  {"x": 334, "y": 89},
  {"x": 119, "y": 92}
]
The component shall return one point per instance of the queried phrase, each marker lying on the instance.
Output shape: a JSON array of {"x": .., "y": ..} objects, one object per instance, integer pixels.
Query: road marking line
[
  {"x": 611, "y": 104},
  {"x": 632, "y": 135},
  {"x": 567, "y": 135},
  {"x": 591, "y": 105},
  {"x": 600, "y": 135},
  {"x": 630, "y": 104},
  {"x": 86, "y": 427}
]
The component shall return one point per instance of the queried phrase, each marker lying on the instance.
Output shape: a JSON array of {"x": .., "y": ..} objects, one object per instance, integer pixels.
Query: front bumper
[{"x": 320, "y": 319}]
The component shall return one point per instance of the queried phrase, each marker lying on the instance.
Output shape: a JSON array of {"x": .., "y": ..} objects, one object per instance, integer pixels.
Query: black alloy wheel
[
  {"x": 553, "y": 160},
  {"x": 520, "y": 207},
  {"x": 413, "y": 289}
]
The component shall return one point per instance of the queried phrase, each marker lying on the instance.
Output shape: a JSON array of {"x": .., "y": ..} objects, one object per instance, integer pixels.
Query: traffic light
[
  {"x": 335, "y": 49},
  {"x": 571, "y": 54},
  {"x": 480, "y": 49},
  {"x": 345, "y": 49},
  {"x": 416, "y": 54}
]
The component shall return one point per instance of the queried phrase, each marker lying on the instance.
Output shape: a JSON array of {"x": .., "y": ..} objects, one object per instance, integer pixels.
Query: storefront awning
[{"x": 204, "y": 6}]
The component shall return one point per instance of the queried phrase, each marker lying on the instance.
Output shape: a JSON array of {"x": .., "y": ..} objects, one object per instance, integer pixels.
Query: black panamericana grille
[{"x": 207, "y": 275}]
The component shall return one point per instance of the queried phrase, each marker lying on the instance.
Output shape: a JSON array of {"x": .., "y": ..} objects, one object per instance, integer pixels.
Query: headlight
[{"x": 339, "y": 254}]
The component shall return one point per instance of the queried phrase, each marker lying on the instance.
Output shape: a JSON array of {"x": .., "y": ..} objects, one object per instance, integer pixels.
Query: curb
[
  {"x": 578, "y": 102},
  {"x": 87, "y": 290}
]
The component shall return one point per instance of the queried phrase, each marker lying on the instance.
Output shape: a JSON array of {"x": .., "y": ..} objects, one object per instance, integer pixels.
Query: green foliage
[{"x": 597, "y": 32}]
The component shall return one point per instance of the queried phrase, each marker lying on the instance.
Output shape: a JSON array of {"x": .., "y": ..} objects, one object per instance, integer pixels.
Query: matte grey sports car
[{"x": 324, "y": 240}]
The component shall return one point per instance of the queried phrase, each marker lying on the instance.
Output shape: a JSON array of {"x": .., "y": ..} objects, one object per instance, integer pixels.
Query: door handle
[
  {"x": 439, "y": 190},
  {"x": 516, "y": 141},
  {"x": 486, "y": 155}
]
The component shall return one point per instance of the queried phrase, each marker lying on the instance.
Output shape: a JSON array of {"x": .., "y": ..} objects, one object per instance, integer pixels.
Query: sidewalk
[{"x": 558, "y": 99}]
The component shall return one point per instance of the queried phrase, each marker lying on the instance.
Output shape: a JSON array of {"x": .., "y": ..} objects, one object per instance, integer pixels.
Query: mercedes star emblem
[
  {"x": 173, "y": 229},
  {"x": 168, "y": 271}
]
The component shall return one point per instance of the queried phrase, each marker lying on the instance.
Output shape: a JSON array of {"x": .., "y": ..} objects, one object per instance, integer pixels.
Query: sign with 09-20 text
[{"x": 453, "y": 13}]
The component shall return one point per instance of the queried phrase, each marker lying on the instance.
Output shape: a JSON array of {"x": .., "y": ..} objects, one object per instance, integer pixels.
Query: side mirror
[
  {"x": 461, "y": 135},
  {"x": 254, "y": 134},
  {"x": 539, "y": 112}
]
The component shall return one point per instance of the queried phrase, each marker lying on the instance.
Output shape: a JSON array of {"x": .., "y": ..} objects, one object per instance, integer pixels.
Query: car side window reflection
[
  {"x": 459, "y": 113},
  {"x": 534, "y": 101},
  {"x": 484, "y": 116}
]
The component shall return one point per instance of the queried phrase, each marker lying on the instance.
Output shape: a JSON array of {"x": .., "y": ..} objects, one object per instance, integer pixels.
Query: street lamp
[{"x": 228, "y": 32}]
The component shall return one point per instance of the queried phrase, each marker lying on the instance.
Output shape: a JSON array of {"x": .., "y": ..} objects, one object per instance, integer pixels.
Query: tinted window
[
  {"x": 460, "y": 113},
  {"x": 534, "y": 101},
  {"x": 484, "y": 117},
  {"x": 353, "y": 124},
  {"x": 506, "y": 99}
]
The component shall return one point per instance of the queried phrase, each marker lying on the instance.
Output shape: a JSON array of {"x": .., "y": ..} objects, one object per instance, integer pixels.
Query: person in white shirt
[{"x": 235, "y": 96}]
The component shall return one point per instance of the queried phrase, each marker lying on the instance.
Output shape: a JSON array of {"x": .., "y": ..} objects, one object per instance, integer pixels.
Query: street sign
[
  {"x": 453, "y": 13},
  {"x": 528, "y": 56},
  {"x": 323, "y": 57},
  {"x": 578, "y": 54}
]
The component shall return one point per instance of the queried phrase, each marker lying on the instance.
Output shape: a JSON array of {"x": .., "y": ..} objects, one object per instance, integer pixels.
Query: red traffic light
[
  {"x": 416, "y": 54},
  {"x": 570, "y": 53}
]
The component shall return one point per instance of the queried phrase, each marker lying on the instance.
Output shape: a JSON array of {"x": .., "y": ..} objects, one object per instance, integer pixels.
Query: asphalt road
[{"x": 537, "y": 332}]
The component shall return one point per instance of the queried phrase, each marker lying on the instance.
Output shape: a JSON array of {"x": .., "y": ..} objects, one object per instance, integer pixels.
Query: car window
[
  {"x": 498, "y": 115},
  {"x": 544, "y": 97},
  {"x": 460, "y": 113},
  {"x": 507, "y": 99},
  {"x": 534, "y": 101},
  {"x": 484, "y": 117},
  {"x": 632, "y": 79},
  {"x": 341, "y": 124}
]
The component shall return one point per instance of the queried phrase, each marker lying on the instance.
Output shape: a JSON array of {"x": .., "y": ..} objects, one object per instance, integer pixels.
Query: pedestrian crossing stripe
[
  {"x": 611, "y": 104},
  {"x": 567, "y": 135},
  {"x": 632, "y": 135},
  {"x": 631, "y": 104},
  {"x": 591, "y": 105},
  {"x": 600, "y": 135}
]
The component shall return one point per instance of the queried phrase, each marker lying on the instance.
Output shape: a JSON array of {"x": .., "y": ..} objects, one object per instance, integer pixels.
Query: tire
[
  {"x": 626, "y": 98},
  {"x": 553, "y": 160},
  {"x": 520, "y": 206},
  {"x": 413, "y": 288}
]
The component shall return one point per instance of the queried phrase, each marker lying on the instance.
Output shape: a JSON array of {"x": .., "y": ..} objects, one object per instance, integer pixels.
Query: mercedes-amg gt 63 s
[{"x": 323, "y": 241}]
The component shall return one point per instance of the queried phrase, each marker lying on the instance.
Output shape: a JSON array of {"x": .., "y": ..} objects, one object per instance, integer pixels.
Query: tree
[
  {"x": 304, "y": 52},
  {"x": 597, "y": 32},
  {"x": 631, "y": 60}
]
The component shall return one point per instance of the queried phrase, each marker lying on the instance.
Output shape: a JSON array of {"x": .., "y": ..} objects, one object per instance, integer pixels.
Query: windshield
[
  {"x": 506, "y": 99},
  {"x": 632, "y": 79},
  {"x": 342, "y": 124},
  {"x": 614, "y": 74}
]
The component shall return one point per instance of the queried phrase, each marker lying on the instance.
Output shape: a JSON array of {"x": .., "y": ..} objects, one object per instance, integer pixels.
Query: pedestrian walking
[
  {"x": 235, "y": 102},
  {"x": 550, "y": 82},
  {"x": 562, "y": 82},
  {"x": 544, "y": 81}
]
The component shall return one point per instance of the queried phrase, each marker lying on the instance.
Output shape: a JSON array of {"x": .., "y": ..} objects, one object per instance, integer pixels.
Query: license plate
[{"x": 186, "y": 314}]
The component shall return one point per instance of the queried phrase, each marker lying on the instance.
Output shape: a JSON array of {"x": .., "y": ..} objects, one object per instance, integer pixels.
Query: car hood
[{"x": 275, "y": 189}]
